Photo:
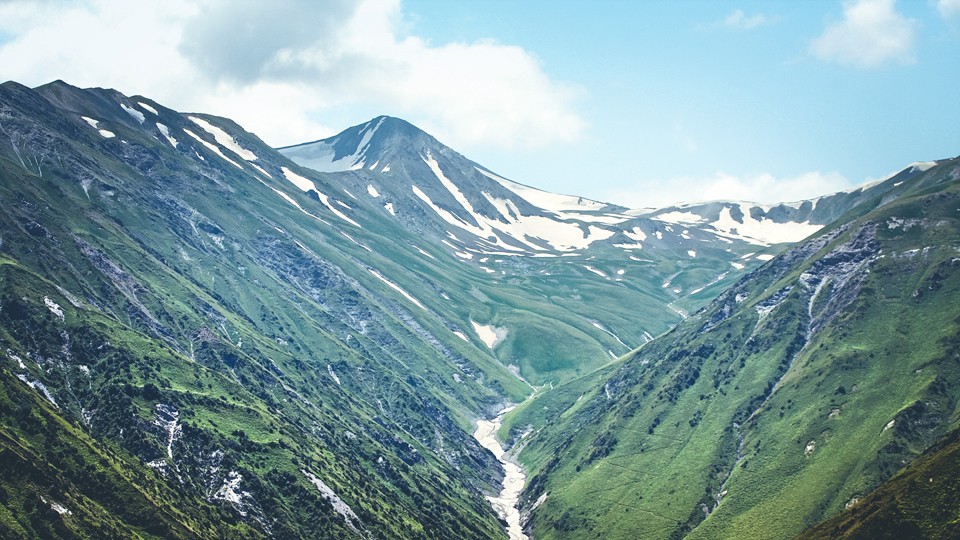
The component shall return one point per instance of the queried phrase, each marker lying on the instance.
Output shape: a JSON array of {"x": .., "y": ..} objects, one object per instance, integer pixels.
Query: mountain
[
  {"x": 266, "y": 340},
  {"x": 920, "y": 502},
  {"x": 660, "y": 264},
  {"x": 791, "y": 395},
  {"x": 202, "y": 336},
  {"x": 200, "y": 326},
  {"x": 480, "y": 213}
]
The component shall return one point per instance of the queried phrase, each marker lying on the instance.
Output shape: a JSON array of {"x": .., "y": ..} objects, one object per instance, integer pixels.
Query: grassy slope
[
  {"x": 645, "y": 461},
  {"x": 46, "y": 460},
  {"x": 920, "y": 502},
  {"x": 151, "y": 293}
]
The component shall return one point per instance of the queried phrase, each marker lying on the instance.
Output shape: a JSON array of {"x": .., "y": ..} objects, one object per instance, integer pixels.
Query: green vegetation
[
  {"x": 800, "y": 388},
  {"x": 226, "y": 354},
  {"x": 191, "y": 346},
  {"x": 920, "y": 502}
]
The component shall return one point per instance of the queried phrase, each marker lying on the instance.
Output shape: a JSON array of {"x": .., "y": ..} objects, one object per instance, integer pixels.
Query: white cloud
[
  {"x": 277, "y": 68},
  {"x": 760, "y": 188},
  {"x": 871, "y": 34},
  {"x": 740, "y": 21},
  {"x": 949, "y": 8}
]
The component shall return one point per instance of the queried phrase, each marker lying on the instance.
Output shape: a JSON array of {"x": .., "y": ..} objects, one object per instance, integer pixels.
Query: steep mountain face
[
  {"x": 480, "y": 214},
  {"x": 920, "y": 502},
  {"x": 181, "y": 305},
  {"x": 645, "y": 268},
  {"x": 793, "y": 394}
]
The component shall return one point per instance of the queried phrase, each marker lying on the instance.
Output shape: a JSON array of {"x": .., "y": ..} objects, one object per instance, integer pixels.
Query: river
[{"x": 513, "y": 476}]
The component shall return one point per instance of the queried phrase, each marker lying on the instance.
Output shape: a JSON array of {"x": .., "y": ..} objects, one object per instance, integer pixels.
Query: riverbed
[{"x": 513, "y": 476}]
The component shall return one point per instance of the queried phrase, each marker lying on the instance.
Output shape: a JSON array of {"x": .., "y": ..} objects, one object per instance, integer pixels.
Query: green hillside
[
  {"x": 799, "y": 389},
  {"x": 920, "y": 502},
  {"x": 177, "y": 311},
  {"x": 200, "y": 338}
]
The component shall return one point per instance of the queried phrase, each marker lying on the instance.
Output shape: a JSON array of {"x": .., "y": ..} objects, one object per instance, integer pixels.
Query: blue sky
[
  {"x": 671, "y": 90},
  {"x": 639, "y": 103}
]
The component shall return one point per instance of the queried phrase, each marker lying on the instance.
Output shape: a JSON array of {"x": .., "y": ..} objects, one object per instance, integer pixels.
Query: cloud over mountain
[{"x": 247, "y": 59}]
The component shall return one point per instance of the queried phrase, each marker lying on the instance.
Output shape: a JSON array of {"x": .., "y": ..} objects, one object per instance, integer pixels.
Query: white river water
[{"x": 513, "y": 476}]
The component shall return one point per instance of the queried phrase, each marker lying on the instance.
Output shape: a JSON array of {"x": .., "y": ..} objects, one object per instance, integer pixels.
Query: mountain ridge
[
  {"x": 294, "y": 357},
  {"x": 798, "y": 355}
]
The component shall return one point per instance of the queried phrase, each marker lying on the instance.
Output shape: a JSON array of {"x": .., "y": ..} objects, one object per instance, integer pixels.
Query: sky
[{"x": 637, "y": 103}]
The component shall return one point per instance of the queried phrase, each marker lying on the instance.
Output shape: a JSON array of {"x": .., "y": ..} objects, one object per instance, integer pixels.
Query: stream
[{"x": 513, "y": 476}]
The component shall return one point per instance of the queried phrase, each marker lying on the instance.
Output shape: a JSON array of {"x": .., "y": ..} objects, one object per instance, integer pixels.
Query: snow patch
[
  {"x": 763, "y": 231},
  {"x": 230, "y": 492},
  {"x": 60, "y": 509},
  {"x": 397, "y": 288},
  {"x": 167, "y": 418},
  {"x": 424, "y": 253},
  {"x": 319, "y": 156},
  {"x": 19, "y": 360},
  {"x": 616, "y": 337},
  {"x": 372, "y": 191},
  {"x": 94, "y": 123},
  {"x": 305, "y": 184},
  {"x": 166, "y": 133},
  {"x": 548, "y": 201},
  {"x": 224, "y": 139},
  {"x": 302, "y": 182},
  {"x": 260, "y": 169},
  {"x": 103, "y": 132},
  {"x": 636, "y": 234},
  {"x": 596, "y": 271},
  {"x": 54, "y": 308},
  {"x": 513, "y": 477},
  {"x": 147, "y": 107},
  {"x": 137, "y": 115},
  {"x": 326, "y": 202},
  {"x": 213, "y": 148},
  {"x": 39, "y": 387},
  {"x": 490, "y": 335},
  {"x": 679, "y": 217}
]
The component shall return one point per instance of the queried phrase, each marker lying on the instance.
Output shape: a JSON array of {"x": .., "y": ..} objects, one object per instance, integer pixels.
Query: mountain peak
[{"x": 366, "y": 144}]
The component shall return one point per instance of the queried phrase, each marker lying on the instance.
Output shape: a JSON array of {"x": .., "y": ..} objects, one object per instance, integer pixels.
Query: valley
[
  {"x": 203, "y": 336},
  {"x": 506, "y": 503}
]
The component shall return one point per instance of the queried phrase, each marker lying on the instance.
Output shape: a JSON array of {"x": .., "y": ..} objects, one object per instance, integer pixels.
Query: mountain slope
[
  {"x": 177, "y": 299},
  {"x": 921, "y": 502},
  {"x": 803, "y": 386},
  {"x": 628, "y": 274},
  {"x": 49, "y": 490},
  {"x": 249, "y": 347}
]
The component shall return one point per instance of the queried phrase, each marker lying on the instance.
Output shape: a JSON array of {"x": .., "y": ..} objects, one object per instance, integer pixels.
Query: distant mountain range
[{"x": 202, "y": 336}]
